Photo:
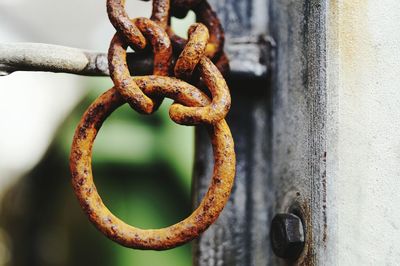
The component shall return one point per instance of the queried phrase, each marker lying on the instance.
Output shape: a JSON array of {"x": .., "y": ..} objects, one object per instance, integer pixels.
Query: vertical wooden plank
[
  {"x": 335, "y": 119},
  {"x": 240, "y": 236},
  {"x": 299, "y": 119},
  {"x": 280, "y": 128}
]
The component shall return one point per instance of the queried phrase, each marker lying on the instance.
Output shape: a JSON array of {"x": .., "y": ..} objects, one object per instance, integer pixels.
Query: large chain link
[{"x": 144, "y": 94}]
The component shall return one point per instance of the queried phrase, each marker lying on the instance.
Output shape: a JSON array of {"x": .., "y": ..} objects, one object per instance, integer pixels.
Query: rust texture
[
  {"x": 121, "y": 22},
  {"x": 214, "y": 49},
  {"x": 192, "y": 55},
  {"x": 193, "y": 51},
  {"x": 177, "y": 234},
  {"x": 160, "y": 13},
  {"x": 208, "y": 17},
  {"x": 144, "y": 94},
  {"x": 118, "y": 66},
  {"x": 221, "y": 99}
]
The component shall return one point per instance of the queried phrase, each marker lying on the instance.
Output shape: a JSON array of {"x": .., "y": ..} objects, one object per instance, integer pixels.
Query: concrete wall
[{"x": 364, "y": 81}]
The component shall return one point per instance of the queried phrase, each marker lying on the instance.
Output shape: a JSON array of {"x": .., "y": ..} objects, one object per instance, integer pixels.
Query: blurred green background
[{"x": 142, "y": 168}]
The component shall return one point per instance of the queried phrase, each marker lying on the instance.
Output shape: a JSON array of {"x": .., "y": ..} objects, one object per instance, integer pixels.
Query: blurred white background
[{"x": 32, "y": 105}]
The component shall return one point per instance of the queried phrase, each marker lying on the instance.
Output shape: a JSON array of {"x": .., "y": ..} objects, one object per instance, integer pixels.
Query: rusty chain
[
  {"x": 206, "y": 16},
  {"x": 144, "y": 94},
  {"x": 118, "y": 66}
]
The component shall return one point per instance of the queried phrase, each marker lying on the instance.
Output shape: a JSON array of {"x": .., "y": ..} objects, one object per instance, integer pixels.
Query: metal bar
[
  {"x": 61, "y": 59},
  {"x": 245, "y": 59}
]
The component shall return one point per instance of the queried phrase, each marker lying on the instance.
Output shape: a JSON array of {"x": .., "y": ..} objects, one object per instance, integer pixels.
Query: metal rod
[
  {"x": 244, "y": 59},
  {"x": 55, "y": 58}
]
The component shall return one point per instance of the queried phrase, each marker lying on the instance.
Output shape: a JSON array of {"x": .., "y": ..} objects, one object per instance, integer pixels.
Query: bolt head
[{"x": 287, "y": 236}]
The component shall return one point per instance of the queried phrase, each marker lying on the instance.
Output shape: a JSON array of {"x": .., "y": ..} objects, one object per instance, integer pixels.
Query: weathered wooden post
[
  {"x": 317, "y": 135},
  {"x": 240, "y": 236}
]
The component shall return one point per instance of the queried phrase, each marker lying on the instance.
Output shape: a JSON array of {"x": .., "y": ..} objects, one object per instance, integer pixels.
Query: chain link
[
  {"x": 118, "y": 66},
  {"x": 144, "y": 94},
  {"x": 160, "y": 13},
  {"x": 120, "y": 20}
]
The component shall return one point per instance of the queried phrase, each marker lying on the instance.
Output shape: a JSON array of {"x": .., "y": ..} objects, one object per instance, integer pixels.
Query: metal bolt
[{"x": 287, "y": 236}]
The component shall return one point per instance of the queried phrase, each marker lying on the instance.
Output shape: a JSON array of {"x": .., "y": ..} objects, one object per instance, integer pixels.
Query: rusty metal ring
[
  {"x": 191, "y": 56},
  {"x": 214, "y": 48},
  {"x": 121, "y": 22},
  {"x": 205, "y": 15},
  {"x": 161, "y": 12},
  {"x": 85, "y": 189},
  {"x": 216, "y": 110},
  {"x": 193, "y": 51},
  {"x": 119, "y": 70}
]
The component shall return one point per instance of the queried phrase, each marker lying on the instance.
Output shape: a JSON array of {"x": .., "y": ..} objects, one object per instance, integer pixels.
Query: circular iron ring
[{"x": 85, "y": 189}]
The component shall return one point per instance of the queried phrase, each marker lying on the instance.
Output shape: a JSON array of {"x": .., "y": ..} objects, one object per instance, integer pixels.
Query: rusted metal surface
[
  {"x": 215, "y": 45},
  {"x": 207, "y": 16},
  {"x": 119, "y": 71},
  {"x": 175, "y": 235},
  {"x": 161, "y": 12},
  {"x": 161, "y": 44},
  {"x": 121, "y": 22},
  {"x": 221, "y": 100},
  {"x": 193, "y": 51},
  {"x": 191, "y": 107},
  {"x": 193, "y": 54}
]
